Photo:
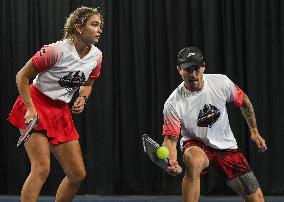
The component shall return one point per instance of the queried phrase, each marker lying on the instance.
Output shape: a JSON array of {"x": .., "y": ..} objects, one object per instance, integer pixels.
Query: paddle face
[{"x": 150, "y": 147}]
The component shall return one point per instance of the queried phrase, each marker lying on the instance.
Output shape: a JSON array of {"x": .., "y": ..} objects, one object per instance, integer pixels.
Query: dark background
[{"x": 243, "y": 39}]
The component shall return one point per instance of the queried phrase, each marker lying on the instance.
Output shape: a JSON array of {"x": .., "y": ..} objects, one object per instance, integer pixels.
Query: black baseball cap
[{"x": 190, "y": 57}]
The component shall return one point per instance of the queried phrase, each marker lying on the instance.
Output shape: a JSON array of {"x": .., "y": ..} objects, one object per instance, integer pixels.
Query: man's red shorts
[{"x": 231, "y": 162}]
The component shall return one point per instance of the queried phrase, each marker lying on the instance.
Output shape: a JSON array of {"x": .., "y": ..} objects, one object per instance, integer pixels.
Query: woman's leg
[
  {"x": 37, "y": 148},
  {"x": 70, "y": 157}
]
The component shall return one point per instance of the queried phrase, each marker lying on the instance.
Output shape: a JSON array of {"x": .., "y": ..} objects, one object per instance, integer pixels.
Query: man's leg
[
  {"x": 247, "y": 186},
  {"x": 37, "y": 148},
  {"x": 195, "y": 160},
  {"x": 255, "y": 197},
  {"x": 70, "y": 158}
]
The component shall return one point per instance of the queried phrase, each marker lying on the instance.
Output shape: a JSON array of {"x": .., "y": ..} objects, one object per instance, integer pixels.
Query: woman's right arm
[{"x": 22, "y": 79}]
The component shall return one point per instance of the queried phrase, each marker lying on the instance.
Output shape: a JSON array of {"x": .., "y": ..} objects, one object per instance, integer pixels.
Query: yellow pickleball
[{"x": 162, "y": 152}]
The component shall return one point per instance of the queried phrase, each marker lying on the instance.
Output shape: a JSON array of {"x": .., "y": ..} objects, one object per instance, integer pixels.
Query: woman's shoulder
[
  {"x": 96, "y": 50},
  {"x": 56, "y": 47},
  {"x": 62, "y": 45}
]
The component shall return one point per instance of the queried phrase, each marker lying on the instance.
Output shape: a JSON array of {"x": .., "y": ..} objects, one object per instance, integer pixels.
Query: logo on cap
[{"x": 190, "y": 56}]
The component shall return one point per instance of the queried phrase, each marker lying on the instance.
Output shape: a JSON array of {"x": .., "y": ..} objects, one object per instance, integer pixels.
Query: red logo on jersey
[{"x": 208, "y": 116}]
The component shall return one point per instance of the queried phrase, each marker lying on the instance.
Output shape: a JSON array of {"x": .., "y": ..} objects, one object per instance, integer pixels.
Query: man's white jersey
[
  {"x": 62, "y": 71},
  {"x": 203, "y": 115}
]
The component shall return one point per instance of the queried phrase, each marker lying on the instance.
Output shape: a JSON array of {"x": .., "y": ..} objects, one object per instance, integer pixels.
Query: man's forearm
[
  {"x": 248, "y": 112},
  {"x": 171, "y": 143}
]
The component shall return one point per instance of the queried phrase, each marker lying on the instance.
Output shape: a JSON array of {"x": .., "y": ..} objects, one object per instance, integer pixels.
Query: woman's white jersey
[{"x": 62, "y": 71}]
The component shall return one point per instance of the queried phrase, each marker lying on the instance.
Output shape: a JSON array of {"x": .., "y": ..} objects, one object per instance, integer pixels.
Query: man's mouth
[{"x": 192, "y": 80}]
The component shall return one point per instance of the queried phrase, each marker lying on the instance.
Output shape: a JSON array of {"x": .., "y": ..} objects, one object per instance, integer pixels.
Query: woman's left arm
[{"x": 84, "y": 93}]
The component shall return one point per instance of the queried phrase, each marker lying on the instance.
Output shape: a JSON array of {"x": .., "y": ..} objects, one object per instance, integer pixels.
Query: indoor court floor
[{"x": 89, "y": 198}]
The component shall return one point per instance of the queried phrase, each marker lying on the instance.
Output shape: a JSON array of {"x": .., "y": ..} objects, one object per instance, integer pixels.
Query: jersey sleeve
[
  {"x": 172, "y": 123},
  {"x": 234, "y": 93},
  {"x": 46, "y": 57},
  {"x": 97, "y": 70}
]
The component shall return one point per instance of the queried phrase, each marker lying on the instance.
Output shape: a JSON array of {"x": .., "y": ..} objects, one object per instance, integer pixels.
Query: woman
[{"x": 60, "y": 69}]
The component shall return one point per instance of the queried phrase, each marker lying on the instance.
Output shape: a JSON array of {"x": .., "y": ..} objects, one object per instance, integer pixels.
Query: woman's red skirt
[{"x": 54, "y": 117}]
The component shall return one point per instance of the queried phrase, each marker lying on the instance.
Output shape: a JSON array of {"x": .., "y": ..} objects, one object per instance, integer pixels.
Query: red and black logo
[
  {"x": 208, "y": 116},
  {"x": 73, "y": 80}
]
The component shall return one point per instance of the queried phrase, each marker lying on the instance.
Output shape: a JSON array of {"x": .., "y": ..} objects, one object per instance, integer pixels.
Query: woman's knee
[
  {"x": 40, "y": 169},
  {"x": 77, "y": 176}
]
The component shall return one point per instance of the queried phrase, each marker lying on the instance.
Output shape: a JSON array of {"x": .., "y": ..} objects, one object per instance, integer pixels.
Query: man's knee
[
  {"x": 195, "y": 160},
  {"x": 246, "y": 184}
]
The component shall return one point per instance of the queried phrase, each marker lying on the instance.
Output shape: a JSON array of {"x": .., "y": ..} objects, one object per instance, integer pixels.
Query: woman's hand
[
  {"x": 79, "y": 105},
  {"x": 30, "y": 114}
]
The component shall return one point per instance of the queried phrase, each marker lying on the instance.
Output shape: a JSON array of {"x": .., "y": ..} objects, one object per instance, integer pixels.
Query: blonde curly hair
[{"x": 79, "y": 17}]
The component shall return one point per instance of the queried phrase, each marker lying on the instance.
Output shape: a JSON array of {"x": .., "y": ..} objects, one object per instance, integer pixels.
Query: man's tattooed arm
[
  {"x": 171, "y": 143},
  {"x": 172, "y": 138},
  {"x": 248, "y": 112},
  {"x": 249, "y": 115}
]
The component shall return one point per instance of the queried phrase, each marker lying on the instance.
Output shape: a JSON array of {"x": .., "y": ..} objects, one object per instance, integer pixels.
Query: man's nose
[{"x": 192, "y": 72}]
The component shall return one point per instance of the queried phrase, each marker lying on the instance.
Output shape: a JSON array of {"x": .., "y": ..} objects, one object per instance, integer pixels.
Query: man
[{"x": 196, "y": 110}]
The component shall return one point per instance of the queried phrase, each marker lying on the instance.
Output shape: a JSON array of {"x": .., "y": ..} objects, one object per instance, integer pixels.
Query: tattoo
[
  {"x": 248, "y": 112},
  {"x": 172, "y": 138}
]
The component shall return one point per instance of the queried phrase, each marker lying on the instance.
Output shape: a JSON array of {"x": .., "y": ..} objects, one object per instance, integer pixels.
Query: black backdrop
[{"x": 240, "y": 38}]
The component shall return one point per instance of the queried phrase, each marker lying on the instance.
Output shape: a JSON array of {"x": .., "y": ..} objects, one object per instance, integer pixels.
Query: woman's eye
[{"x": 95, "y": 25}]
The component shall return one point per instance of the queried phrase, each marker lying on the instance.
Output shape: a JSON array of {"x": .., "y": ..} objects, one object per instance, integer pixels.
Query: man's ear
[
  {"x": 179, "y": 69},
  {"x": 202, "y": 69}
]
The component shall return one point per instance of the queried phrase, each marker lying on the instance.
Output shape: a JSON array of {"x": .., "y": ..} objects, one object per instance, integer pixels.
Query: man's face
[{"x": 192, "y": 77}]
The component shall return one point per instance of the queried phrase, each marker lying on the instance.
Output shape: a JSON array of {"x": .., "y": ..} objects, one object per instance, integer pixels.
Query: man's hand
[
  {"x": 174, "y": 168},
  {"x": 79, "y": 105},
  {"x": 259, "y": 141}
]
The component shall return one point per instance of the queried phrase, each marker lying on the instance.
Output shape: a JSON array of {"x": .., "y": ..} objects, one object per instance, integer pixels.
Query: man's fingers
[
  {"x": 262, "y": 147},
  {"x": 174, "y": 169}
]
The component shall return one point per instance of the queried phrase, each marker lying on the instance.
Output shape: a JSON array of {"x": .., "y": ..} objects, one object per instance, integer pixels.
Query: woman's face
[{"x": 91, "y": 32}]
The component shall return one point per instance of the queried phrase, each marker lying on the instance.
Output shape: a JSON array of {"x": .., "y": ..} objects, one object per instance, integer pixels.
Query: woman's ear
[{"x": 78, "y": 29}]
